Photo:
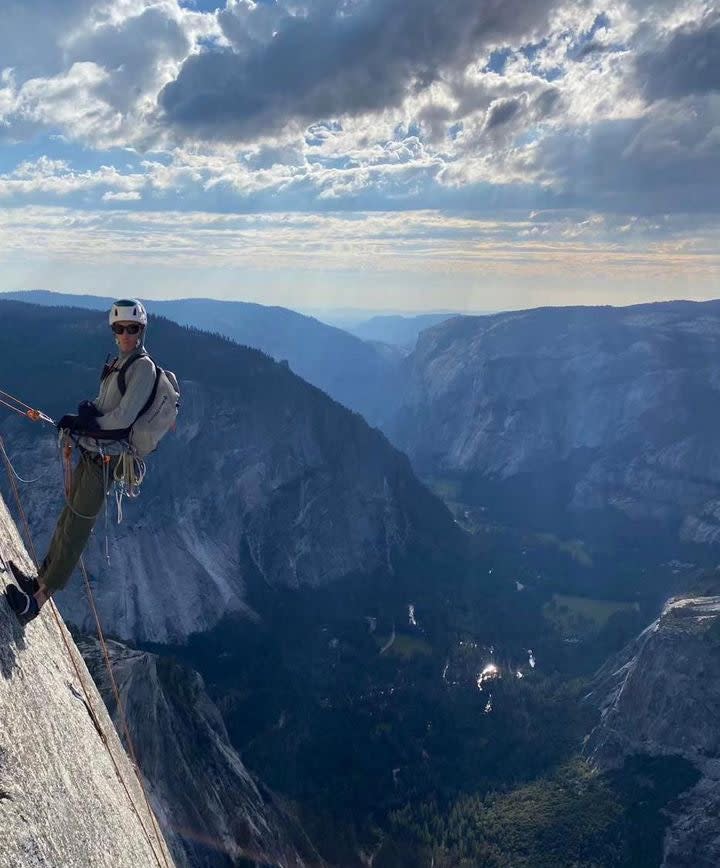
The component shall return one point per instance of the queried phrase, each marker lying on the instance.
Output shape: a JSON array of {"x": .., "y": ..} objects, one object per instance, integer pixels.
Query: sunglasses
[{"x": 131, "y": 329}]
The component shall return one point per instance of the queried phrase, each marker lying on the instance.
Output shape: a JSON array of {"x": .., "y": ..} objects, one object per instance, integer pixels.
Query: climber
[{"x": 102, "y": 430}]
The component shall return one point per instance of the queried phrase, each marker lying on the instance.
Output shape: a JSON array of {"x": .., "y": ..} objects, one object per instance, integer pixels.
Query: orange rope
[
  {"x": 67, "y": 456},
  {"x": 121, "y": 709},
  {"x": 88, "y": 701}
]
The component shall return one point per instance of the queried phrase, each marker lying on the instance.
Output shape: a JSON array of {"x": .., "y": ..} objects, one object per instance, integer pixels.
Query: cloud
[
  {"x": 503, "y": 110},
  {"x": 414, "y": 242},
  {"x": 137, "y": 52},
  {"x": 418, "y": 259},
  {"x": 68, "y": 101},
  {"x": 687, "y": 63},
  {"x": 332, "y": 58},
  {"x": 33, "y": 33},
  {"x": 369, "y": 104},
  {"x": 666, "y": 161},
  {"x": 57, "y": 178},
  {"x": 130, "y": 196},
  {"x": 99, "y": 67}
]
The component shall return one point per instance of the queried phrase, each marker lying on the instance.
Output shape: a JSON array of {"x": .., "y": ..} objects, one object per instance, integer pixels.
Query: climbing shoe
[
  {"x": 27, "y": 584},
  {"x": 25, "y": 606}
]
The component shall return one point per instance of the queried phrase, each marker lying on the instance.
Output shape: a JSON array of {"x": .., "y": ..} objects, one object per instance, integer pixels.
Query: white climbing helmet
[{"x": 128, "y": 310}]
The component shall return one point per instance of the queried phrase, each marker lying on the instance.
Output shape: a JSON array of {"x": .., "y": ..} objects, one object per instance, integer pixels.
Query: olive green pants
[{"x": 84, "y": 502}]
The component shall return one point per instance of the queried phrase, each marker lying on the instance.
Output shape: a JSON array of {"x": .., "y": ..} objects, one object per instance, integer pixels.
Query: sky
[{"x": 380, "y": 154}]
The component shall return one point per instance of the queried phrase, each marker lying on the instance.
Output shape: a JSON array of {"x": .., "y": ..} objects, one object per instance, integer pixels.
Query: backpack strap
[
  {"x": 148, "y": 404},
  {"x": 108, "y": 367},
  {"x": 121, "y": 373},
  {"x": 123, "y": 386}
]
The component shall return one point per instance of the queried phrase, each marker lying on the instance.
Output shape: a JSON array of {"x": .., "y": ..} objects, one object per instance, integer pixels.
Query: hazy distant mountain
[
  {"x": 353, "y": 372},
  {"x": 402, "y": 331},
  {"x": 58, "y": 299},
  {"x": 587, "y": 420}
]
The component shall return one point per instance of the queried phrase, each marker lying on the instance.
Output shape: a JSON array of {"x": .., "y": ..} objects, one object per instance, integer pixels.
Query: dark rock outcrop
[
  {"x": 213, "y": 812},
  {"x": 661, "y": 696}
]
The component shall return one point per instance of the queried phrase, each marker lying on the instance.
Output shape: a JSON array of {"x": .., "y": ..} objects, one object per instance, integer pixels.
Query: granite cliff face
[
  {"x": 68, "y": 794},
  {"x": 267, "y": 482},
  {"x": 214, "y": 813},
  {"x": 661, "y": 696},
  {"x": 572, "y": 412}
]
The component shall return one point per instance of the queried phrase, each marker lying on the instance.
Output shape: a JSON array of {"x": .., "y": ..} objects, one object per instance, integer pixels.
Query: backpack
[{"x": 159, "y": 413}]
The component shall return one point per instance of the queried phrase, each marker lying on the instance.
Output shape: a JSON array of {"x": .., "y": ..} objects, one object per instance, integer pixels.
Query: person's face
[{"x": 125, "y": 338}]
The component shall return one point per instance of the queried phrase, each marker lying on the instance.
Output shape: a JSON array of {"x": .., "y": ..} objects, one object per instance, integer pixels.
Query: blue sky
[{"x": 379, "y": 154}]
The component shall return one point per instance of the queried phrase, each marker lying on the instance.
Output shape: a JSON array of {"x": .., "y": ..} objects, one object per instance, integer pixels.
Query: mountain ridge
[
  {"x": 584, "y": 418},
  {"x": 286, "y": 487},
  {"x": 349, "y": 369}
]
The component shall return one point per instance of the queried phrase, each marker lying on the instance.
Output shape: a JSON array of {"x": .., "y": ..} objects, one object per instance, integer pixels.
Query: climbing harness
[
  {"x": 35, "y": 415},
  {"x": 126, "y": 479},
  {"x": 129, "y": 471},
  {"x": 127, "y": 476}
]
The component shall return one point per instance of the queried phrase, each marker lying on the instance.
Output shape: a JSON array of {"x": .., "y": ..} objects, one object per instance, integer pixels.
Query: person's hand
[
  {"x": 78, "y": 425},
  {"x": 87, "y": 411},
  {"x": 69, "y": 423}
]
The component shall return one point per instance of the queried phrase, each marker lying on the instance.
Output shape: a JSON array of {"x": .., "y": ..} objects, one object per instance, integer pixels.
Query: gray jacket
[{"x": 120, "y": 411}]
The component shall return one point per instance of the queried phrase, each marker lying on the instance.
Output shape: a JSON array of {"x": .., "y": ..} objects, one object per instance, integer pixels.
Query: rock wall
[
  {"x": 661, "y": 696},
  {"x": 213, "y": 811},
  {"x": 574, "y": 412},
  {"x": 68, "y": 794}
]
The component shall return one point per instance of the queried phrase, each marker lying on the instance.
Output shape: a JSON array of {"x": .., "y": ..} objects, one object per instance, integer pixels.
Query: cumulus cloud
[
  {"x": 503, "y": 110},
  {"x": 666, "y": 160},
  {"x": 138, "y": 53},
  {"x": 92, "y": 68},
  {"x": 57, "y": 178},
  {"x": 33, "y": 34},
  {"x": 372, "y": 104},
  {"x": 332, "y": 58},
  {"x": 688, "y": 62},
  {"x": 69, "y": 102}
]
